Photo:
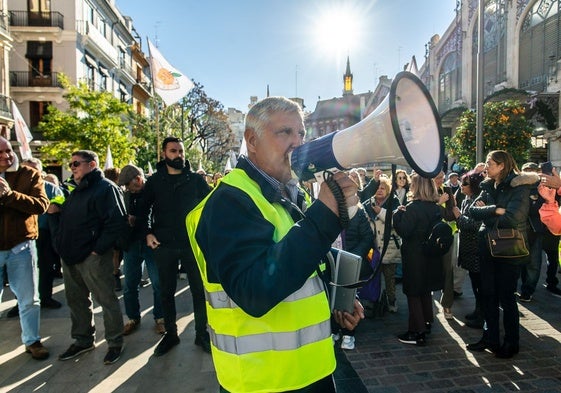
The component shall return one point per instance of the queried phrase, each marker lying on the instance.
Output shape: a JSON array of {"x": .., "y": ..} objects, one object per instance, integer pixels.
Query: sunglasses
[
  {"x": 401, "y": 178},
  {"x": 76, "y": 164},
  {"x": 465, "y": 184}
]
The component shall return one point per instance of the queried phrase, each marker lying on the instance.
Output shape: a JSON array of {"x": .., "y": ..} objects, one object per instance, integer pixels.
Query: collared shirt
[{"x": 289, "y": 190}]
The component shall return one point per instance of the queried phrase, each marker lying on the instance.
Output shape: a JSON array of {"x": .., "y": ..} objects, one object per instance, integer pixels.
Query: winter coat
[
  {"x": 378, "y": 223},
  {"x": 19, "y": 209},
  {"x": 359, "y": 240},
  {"x": 421, "y": 273},
  {"x": 171, "y": 198},
  {"x": 468, "y": 251},
  {"x": 512, "y": 194},
  {"x": 93, "y": 217}
]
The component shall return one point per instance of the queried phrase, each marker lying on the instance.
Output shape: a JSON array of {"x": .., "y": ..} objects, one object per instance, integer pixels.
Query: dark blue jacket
[{"x": 92, "y": 219}]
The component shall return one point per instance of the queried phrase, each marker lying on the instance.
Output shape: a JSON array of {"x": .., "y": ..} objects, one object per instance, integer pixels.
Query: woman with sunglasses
[
  {"x": 468, "y": 253},
  {"x": 401, "y": 186}
]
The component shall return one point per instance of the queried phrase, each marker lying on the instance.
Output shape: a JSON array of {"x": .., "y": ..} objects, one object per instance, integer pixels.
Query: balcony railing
[
  {"x": 31, "y": 79},
  {"x": 28, "y": 18}
]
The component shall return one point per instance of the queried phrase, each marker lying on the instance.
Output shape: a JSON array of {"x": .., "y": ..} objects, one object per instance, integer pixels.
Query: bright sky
[{"x": 237, "y": 48}]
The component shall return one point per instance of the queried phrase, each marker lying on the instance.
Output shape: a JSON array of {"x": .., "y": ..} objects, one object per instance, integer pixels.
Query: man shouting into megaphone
[{"x": 258, "y": 254}]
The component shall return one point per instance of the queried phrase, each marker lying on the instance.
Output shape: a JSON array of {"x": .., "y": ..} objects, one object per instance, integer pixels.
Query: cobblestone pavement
[
  {"x": 444, "y": 365},
  {"x": 378, "y": 364}
]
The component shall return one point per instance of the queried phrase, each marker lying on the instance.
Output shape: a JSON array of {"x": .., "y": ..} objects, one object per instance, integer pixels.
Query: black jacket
[
  {"x": 512, "y": 194},
  {"x": 421, "y": 274},
  {"x": 171, "y": 198},
  {"x": 359, "y": 240},
  {"x": 92, "y": 219}
]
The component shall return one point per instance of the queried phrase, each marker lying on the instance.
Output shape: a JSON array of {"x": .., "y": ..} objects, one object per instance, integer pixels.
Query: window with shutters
[{"x": 539, "y": 44}]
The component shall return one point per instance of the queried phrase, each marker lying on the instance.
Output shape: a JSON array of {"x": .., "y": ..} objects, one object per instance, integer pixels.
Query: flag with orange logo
[{"x": 169, "y": 83}]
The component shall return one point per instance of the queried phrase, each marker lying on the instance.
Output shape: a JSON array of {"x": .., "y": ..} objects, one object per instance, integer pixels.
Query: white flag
[
  {"x": 108, "y": 159},
  {"x": 23, "y": 135},
  {"x": 169, "y": 83}
]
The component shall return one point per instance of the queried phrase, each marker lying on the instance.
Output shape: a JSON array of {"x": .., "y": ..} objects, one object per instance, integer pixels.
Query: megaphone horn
[{"x": 404, "y": 130}]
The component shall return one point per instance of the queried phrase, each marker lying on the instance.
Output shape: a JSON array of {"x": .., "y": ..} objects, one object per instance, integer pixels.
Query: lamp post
[{"x": 479, "y": 87}]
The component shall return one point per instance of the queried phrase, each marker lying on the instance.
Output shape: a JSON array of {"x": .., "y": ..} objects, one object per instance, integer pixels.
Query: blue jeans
[
  {"x": 132, "y": 267},
  {"x": 21, "y": 263},
  {"x": 530, "y": 273}
]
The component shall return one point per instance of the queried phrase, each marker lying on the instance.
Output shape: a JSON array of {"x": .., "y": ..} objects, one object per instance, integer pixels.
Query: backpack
[{"x": 439, "y": 241}]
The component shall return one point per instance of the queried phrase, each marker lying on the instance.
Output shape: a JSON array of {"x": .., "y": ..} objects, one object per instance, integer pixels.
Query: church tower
[{"x": 348, "y": 80}]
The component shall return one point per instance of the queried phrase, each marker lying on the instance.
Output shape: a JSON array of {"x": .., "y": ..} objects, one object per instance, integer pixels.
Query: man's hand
[
  {"x": 131, "y": 220},
  {"x": 551, "y": 181},
  {"x": 152, "y": 242},
  {"x": 347, "y": 320},
  {"x": 547, "y": 193},
  {"x": 347, "y": 185},
  {"x": 4, "y": 187}
]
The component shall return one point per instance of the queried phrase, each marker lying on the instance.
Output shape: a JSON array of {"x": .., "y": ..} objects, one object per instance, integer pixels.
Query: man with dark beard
[{"x": 172, "y": 192}]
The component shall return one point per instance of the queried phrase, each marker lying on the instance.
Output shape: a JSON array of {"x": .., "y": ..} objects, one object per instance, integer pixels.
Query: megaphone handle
[{"x": 339, "y": 197}]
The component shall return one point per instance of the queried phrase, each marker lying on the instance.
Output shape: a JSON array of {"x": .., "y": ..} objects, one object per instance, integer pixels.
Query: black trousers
[
  {"x": 47, "y": 258},
  {"x": 499, "y": 279},
  {"x": 167, "y": 262}
]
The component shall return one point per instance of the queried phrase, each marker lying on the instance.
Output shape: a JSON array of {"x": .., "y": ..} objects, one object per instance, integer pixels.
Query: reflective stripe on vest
[
  {"x": 286, "y": 349},
  {"x": 283, "y": 341},
  {"x": 220, "y": 299}
]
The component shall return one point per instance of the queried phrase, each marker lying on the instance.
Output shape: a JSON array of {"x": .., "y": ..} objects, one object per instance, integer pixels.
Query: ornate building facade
[{"x": 521, "y": 59}]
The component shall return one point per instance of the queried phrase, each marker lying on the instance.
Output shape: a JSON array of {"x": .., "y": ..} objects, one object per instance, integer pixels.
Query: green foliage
[
  {"x": 93, "y": 121},
  {"x": 504, "y": 128}
]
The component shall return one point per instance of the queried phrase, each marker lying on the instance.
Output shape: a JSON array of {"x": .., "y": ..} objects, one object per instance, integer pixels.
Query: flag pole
[{"x": 156, "y": 107}]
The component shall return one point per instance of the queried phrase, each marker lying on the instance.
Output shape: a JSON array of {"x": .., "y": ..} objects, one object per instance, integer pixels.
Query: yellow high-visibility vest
[{"x": 288, "y": 348}]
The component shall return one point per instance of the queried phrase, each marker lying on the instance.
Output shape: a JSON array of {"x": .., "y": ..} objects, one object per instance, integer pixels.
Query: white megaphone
[{"x": 404, "y": 130}]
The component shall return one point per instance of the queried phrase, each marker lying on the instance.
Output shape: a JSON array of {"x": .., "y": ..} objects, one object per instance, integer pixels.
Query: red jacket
[{"x": 19, "y": 210}]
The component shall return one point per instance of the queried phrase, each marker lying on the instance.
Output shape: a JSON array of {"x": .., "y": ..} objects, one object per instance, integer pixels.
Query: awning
[{"x": 90, "y": 60}]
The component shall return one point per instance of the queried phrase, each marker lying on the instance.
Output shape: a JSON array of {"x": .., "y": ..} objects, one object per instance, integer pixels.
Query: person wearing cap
[
  {"x": 136, "y": 251},
  {"x": 453, "y": 182}
]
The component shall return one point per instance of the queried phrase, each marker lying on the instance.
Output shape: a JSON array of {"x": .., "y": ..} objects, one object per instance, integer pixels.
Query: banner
[
  {"x": 23, "y": 135},
  {"x": 108, "y": 159},
  {"x": 169, "y": 83}
]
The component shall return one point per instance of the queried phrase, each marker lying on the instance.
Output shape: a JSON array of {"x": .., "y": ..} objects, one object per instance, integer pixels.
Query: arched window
[
  {"x": 540, "y": 45},
  {"x": 449, "y": 82},
  {"x": 494, "y": 47}
]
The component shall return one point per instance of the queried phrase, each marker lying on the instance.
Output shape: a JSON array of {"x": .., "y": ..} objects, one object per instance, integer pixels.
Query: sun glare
[{"x": 337, "y": 30}]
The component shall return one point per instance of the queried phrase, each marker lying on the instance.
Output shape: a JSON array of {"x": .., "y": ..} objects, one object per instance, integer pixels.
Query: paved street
[{"x": 379, "y": 364}]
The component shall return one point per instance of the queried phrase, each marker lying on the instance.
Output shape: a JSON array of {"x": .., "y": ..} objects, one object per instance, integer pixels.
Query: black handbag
[{"x": 506, "y": 243}]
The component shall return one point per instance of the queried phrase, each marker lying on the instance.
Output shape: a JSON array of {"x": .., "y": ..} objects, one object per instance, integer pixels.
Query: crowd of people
[{"x": 259, "y": 297}]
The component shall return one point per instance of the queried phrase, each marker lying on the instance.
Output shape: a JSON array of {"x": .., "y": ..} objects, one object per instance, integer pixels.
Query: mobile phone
[{"x": 547, "y": 168}]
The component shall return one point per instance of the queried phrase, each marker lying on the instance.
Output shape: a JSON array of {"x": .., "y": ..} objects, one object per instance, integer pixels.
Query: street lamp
[{"x": 479, "y": 87}]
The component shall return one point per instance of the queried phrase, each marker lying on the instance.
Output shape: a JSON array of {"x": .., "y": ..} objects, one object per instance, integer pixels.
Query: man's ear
[{"x": 250, "y": 139}]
